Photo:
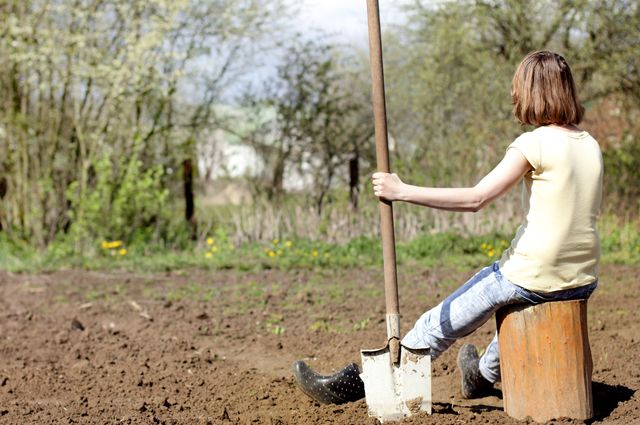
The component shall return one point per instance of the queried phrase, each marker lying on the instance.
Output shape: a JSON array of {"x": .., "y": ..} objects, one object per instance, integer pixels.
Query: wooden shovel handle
[{"x": 382, "y": 158}]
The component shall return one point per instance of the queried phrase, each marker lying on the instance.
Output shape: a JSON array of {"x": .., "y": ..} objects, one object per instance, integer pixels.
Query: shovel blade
[{"x": 394, "y": 391}]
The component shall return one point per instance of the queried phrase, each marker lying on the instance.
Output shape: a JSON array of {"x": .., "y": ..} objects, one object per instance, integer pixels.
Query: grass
[
  {"x": 299, "y": 254},
  {"x": 620, "y": 244}
]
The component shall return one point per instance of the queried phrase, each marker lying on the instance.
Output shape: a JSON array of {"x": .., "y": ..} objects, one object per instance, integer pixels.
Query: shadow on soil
[
  {"x": 606, "y": 398},
  {"x": 450, "y": 409}
]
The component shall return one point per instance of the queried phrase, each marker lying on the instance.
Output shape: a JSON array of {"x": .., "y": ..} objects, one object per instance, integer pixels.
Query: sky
[{"x": 346, "y": 20}]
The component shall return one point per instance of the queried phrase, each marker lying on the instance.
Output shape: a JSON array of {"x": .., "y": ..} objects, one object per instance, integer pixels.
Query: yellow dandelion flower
[
  {"x": 122, "y": 251},
  {"x": 111, "y": 245},
  {"x": 271, "y": 253},
  {"x": 276, "y": 241},
  {"x": 484, "y": 245},
  {"x": 288, "y": 244},
  {"x": 314, "y": 253},
  {"x": 210, "y": 241},
  {"x": 214, "y": 249},
  {"x": 208, "y": 255},
  {"x": 491, "y": 253}
]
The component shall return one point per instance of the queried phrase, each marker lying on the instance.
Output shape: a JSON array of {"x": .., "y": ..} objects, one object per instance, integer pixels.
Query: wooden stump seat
[{"x": 545, "y": 361}]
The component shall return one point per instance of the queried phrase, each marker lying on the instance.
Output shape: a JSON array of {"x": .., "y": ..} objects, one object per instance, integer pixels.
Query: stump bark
[{"x": 545, "y": 361}]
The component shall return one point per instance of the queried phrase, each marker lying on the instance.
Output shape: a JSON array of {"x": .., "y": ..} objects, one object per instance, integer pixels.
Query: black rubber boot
[
  {"x": 341, "y": 387},
  {"x": 474, "y": 385}
]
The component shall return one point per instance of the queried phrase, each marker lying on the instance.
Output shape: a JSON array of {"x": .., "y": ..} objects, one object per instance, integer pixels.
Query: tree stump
[{"x": 545, "y": 361}]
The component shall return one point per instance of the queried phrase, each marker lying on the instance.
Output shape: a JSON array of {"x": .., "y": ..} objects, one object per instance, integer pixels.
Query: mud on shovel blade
[{"x": 397, "y": 379}]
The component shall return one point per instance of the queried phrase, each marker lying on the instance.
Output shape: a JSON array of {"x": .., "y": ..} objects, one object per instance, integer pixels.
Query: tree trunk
[
  {"x": 277, "y": 177},
  {"x": 3, "y": 191},
  {"x": 354, "y": 179},
  {"x": 187, "y": 178}
]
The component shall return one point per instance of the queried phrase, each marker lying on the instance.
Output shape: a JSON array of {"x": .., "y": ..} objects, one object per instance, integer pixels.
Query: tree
[
  {"x": 129, "y": 81},
  {"x": 319, "y": 121},
  {"x": 450, "y": 72}
]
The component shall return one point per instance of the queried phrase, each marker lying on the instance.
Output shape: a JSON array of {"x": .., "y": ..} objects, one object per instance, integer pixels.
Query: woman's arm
[{"x": 506, "y": 174}]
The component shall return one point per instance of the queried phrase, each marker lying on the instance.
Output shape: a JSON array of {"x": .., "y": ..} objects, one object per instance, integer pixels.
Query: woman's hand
[{"x": 387, "y": 186}]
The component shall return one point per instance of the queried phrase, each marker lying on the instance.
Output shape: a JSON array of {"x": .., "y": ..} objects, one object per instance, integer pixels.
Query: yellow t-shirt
[{"x": 557, "y": 246}]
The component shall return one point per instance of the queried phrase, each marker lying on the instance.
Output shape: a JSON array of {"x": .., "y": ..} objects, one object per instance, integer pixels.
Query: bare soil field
[{"x": 198, "y": 347}]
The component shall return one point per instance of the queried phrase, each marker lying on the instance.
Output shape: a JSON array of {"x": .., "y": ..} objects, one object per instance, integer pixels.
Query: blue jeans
[{"x": 471, "y": 306}]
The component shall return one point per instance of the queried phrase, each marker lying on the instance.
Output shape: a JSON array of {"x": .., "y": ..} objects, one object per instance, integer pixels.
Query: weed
[
  {"x": 273, "y": 324},
  {"x": 118, "y": 288},
  {"x": 321, "y": 325},
  {"x": 274, "y": 319},
  {"x": 253, "y": 290},
  {"x": 174, "y": 295},
  {"x": 276, "y": 330},
  {"x": 94, "y": 295},
  {"x": 361, "y": 324},
  {"x": 209, "y": 295},
  {"x": 335, "y": 291}
]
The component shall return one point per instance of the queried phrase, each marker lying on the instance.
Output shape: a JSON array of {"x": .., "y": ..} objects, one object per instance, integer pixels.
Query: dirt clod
[
  {"x": 414, "y": 404},
  {"x": 225, "y": 415},
  {"x": 76, "y": 325}
]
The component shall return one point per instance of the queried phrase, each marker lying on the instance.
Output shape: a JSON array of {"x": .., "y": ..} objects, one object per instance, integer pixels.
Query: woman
[{"x": 554, "y": 254}]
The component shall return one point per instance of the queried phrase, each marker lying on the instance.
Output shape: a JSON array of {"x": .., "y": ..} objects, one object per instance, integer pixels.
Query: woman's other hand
[{"x": 387, "y": 186}]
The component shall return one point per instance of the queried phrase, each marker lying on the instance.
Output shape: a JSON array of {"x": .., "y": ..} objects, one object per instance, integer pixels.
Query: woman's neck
[{"x": 566, "y": 127}]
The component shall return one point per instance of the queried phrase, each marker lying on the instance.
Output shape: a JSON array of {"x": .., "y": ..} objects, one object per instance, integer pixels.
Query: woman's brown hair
[{"x": 543, "y": 91}]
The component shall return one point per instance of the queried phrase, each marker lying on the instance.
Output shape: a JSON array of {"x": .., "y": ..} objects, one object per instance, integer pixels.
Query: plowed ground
[{"x": 199, "y": 347}]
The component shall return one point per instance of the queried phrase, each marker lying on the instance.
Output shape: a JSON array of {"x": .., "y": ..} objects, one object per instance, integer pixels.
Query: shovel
[{"x": 397, "y": 379}]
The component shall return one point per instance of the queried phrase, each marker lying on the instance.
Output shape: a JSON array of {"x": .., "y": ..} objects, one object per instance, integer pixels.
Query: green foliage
[
  {"x": 127, "y": 208},
  {"x": 14, "y": 253},
  {"x": 622, "y": 176},
  {"x": 619, "y": 240},
  {"x": 449, "y": 107},
  {"x": 86, "y": 81},
  {"x": 365, "y": 250},
  {"x": 95, "y": 123},
  {"x": 434, "y": 245},
  {"x": 450, "y": 69}
]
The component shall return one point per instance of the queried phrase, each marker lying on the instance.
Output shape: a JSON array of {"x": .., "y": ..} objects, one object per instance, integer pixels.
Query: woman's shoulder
[{"x": 527, "y": 137}]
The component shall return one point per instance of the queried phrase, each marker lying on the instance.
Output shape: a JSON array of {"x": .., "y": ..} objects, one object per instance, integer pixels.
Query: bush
[{"x": 128, "y": 207}]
